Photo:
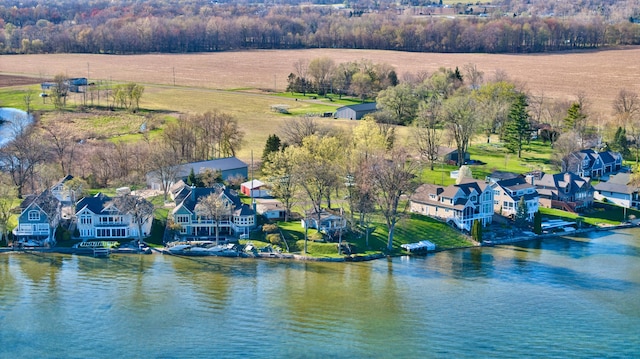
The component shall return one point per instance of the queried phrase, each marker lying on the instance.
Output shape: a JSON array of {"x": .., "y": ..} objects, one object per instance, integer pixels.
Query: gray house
[
  {"x": 355, "y": 112},
  {"x": 228, "y": 167}
]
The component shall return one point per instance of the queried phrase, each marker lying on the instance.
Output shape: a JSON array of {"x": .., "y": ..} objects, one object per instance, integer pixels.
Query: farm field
[{"x": 599, "y": 74}]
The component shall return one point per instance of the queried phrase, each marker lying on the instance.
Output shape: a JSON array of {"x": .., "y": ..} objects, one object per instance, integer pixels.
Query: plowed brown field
[{"x": 599, "y": 74}]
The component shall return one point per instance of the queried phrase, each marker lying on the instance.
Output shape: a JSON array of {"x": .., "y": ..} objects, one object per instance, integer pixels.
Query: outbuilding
[
  {"x": 355, "y": 112},
  {"x": 254, "y": 188}
]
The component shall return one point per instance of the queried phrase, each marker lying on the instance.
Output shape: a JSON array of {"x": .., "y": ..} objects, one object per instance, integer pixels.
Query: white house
[
  {"x": 507, "y": 194},
  {"x": 618, "y": 191},
  {"x": 98, "y": 218},
  {"x": 193, "y": 225},
  {"x": 324, "y": 221},
  {"x": 460, "y": 204},
  {"x": 270, "y": 208}
]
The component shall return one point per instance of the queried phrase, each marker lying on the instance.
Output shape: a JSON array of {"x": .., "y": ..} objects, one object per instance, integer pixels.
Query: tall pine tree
[
  {"x": 620, "y": 143},
  {"x": 518, "y": 127},
  {"x": 272, "y": 145}
]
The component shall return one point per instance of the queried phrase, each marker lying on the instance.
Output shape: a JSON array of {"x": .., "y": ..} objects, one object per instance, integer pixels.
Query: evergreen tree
[
  {"x": 537, "y": 223},
  {"x": 272, "y": 145},
  {"x": 192, "y": 180},
  {"x": 575, "y": 117},
  {"x": 620, "y": 143},
  {"x": 518, "y": 127},
  {"x": 476, "y": 231},
  {"x": 521, "y": 213}
]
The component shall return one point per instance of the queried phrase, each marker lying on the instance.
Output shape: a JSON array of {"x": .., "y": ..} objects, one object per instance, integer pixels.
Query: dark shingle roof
[{"x": 95, "y": 204}]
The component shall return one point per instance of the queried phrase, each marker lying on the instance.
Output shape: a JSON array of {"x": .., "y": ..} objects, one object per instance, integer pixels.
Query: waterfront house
[
  {"x": 589, "y": 163},
  {"x": 458, "y": 204},
  {"x": 270, "y": 208},
  {"x": 507, "y": 194},
  {"x": 38, "y": 220},
  {"x": 229, "y": 167},
  {"x": 326, "y": 221},
  {"x": 98, "y": 217},
  {"x": 618, "y": 191},
  {"x": 567, "y": 191},
  {"x": 239, "y": 219}
]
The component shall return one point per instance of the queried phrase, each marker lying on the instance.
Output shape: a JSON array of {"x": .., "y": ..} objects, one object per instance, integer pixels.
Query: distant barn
[{"x": 355, "y": 112}]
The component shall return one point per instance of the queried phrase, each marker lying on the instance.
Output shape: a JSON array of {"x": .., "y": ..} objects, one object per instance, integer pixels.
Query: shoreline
[{"x": 298, "y": 257}]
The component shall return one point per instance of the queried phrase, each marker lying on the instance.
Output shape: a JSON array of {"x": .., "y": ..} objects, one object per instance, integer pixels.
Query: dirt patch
[{"x": 9, "y": 80}]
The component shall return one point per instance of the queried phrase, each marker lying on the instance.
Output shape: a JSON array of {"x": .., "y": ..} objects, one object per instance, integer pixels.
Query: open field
[{"x": 600, "y": 74}]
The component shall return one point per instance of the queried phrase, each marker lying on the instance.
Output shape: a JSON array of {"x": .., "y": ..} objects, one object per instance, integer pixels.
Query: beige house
[
  {"x": 507, "y": 194},
  {"x": 459, "y": 204}
]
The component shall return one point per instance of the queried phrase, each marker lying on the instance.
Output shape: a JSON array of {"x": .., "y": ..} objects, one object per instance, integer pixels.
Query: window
[
  {"x": 85, "y": 220},
  {"x": 182, "y": 218},
  {"x": 496, "y": 192},
  {"x": 34, "y": 215}
]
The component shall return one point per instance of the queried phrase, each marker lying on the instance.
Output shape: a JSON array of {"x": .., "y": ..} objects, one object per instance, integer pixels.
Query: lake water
[
  {"x": 11, "y": 117},
  {"x": 560, "y": 298}
]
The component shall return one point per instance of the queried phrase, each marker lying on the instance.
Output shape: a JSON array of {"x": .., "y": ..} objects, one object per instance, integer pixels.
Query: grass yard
[
  {"x": 600, "y": 214},
  {"x": 411, "y": 229}
]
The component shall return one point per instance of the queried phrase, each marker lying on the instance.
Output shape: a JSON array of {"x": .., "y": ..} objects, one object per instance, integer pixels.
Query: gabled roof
[
  {"x": 46, "y": 201},
  {"x": 562, "y": 180},
  {"x": 188, "y": 198},
  {"x": 468, "y": 187},
  {"x": 94, "y": 204},
  {"x": 253, "y": 184}
]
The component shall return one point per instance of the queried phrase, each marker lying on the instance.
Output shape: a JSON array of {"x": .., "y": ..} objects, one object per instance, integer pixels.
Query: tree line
[
  {"x": 138, "y": 27},
  {"x": 40, "y": 153}
]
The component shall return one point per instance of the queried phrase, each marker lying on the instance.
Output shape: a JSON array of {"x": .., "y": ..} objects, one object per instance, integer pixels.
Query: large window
[
  {"x": 34, "y": 215},
  {"x": 85, "y": 220}
]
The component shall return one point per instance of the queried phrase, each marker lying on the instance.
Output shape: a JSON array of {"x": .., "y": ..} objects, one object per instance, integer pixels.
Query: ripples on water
[{"x": 557, "y": 299}]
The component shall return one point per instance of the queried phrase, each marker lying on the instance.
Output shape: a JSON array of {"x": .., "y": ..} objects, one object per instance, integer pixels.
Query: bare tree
[
  {"x": 63, "y": 141},
  {"x": 392, "y": 177},
  {"x": 461, "y": 121},
  {"x": 626, "y": 107},
  {"x": 295, "y": 130},
  {"x": 59, "y": 91},
  {"x": 321, "y": 69},
  {"x": 428, "y": 132},
  {"x": 214, "y": 207},
  {"x": 139, "y": 209},
  {"x": 473, "y": 77},
  {"x": 164, "y": 164},
  {"x": 566, "y": 144},
  {"x": 20, "y": 156}
]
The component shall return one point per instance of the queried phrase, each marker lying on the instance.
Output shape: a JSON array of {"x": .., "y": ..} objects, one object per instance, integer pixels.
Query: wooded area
[{"x": 127, "y": 27}]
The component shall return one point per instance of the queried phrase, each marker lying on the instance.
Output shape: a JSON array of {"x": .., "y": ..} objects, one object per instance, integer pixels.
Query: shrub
[
  {"x": 274, "y": 238},
  {"x": 270, "y": 228},
  {"x": 316, "y": 236}
]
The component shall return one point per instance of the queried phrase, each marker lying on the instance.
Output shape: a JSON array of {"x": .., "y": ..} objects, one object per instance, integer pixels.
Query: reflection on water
[{"x": 570, "y": 297}]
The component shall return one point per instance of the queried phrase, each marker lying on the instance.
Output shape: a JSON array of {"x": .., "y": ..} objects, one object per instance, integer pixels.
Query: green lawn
[
  {"x": 599, "y": 214},
  {"x": 411, "y": 229}
]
